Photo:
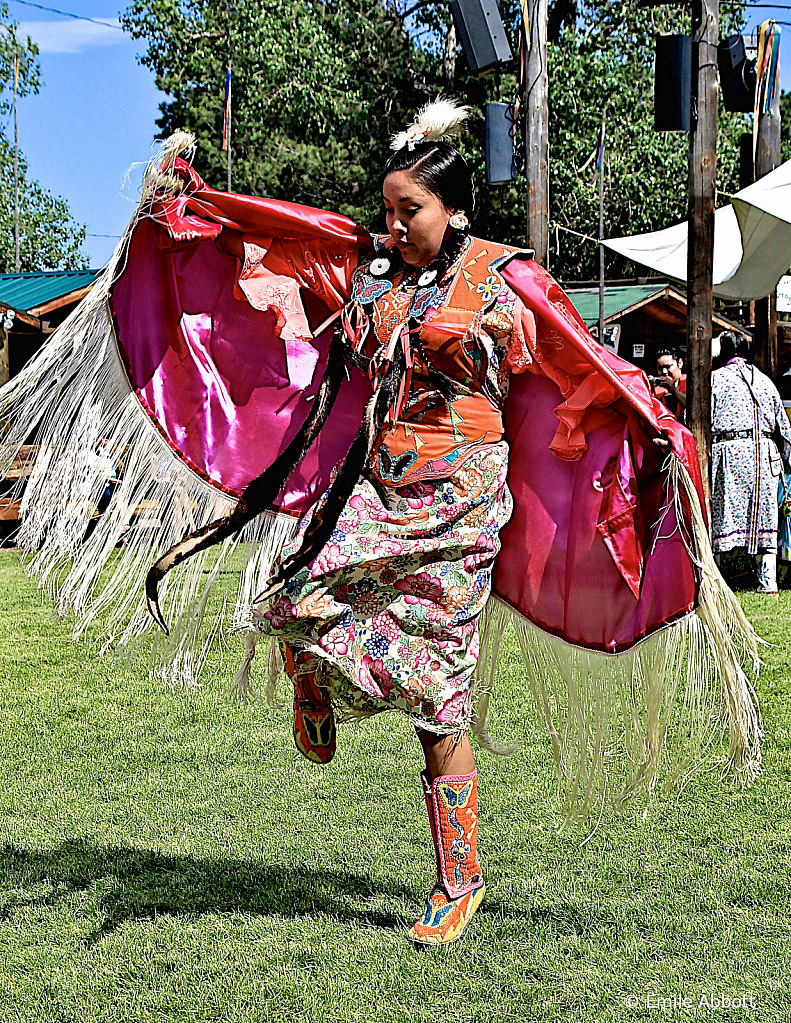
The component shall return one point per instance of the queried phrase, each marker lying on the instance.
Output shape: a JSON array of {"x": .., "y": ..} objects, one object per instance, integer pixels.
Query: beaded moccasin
[
  {"x": 452, "y": 804},
  {"x": 314, "y": 720}
]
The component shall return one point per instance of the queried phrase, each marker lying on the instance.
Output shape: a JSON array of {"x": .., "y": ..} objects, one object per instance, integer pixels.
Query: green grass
[{"x": 169, "y": 856}]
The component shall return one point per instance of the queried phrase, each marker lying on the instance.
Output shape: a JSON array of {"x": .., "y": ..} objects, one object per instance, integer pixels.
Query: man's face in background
[{"x": 667, "y": 366}]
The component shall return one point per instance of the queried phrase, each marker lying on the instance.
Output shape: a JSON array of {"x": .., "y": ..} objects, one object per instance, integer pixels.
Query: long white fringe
[
  {"x": 74, "y": 392},
  {"x": 615, "y": 720},
  {"x": 618, "y": 722}
]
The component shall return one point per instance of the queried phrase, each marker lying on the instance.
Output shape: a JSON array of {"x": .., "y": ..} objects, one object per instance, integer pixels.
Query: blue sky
[{"x": 95, "y": 115}]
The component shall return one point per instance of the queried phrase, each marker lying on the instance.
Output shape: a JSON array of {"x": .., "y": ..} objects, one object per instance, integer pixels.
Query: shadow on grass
[
  {"x": 140, "y": 884},
  {"x": 562, "y": 918}
]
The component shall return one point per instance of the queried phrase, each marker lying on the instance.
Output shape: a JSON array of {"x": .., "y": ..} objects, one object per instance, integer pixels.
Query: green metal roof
[
  {"x": 29, "y": 291},
  {"x": 617, "y": 297}
]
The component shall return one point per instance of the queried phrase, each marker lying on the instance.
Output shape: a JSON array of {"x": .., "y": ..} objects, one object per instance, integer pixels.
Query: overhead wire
[{"x": 68, "y": 14}]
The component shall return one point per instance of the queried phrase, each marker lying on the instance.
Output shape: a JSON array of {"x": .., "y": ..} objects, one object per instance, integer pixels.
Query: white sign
[
  {"x": 638, "y": 351},
  {"x": 784, "y": 295}
]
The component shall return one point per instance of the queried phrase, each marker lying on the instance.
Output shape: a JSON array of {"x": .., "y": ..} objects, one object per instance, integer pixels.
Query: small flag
[
  {"x": 766, "y": 74},
  {"x": 226, "y": 120},
  {"x": 599, "y": 153},
  {"x": 768, "y": 55}
]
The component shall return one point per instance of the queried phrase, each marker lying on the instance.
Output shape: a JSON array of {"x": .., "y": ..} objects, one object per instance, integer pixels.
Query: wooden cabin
[
  {"x": 640, "y": 319},
  {"x": 32, "y": 306}
]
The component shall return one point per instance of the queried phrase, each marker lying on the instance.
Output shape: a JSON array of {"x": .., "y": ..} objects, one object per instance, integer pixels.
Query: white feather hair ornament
[
  {"x": 436, "y": 121},
  {"x": 716, "y": 346}
]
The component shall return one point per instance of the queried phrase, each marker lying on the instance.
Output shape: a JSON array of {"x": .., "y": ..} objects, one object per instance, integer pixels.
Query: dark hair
[
  {"x": 441, "y": 170},
  {"x": 674, "y": 353},
  {"x": 733, "y": 345}
]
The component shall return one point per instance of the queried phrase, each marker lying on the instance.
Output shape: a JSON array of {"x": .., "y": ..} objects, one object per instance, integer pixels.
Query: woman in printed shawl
[{"x": 751, "y": 437}]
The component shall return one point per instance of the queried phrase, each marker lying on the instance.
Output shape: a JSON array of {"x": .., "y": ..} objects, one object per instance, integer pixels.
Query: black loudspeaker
[
  {"x": 482, "y": 35},
  {"x": 737, "y": 75},
  {"x": 746, "y": 164},
  {"x": 499, "y": 144},
  {"x": 673, "y": 83}
]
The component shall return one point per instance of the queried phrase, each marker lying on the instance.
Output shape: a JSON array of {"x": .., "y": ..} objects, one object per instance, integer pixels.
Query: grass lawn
[{"x": 169, "y": 856}]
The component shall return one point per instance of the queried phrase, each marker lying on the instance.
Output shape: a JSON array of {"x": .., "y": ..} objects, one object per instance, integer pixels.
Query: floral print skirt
[{"x": 389, "y": 609}]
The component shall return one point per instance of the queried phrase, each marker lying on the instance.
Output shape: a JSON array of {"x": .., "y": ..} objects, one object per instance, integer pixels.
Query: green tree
[
  {"x": 604, "y": 58},
  {"x": 49, "y": 238},
  {"x": 645, "y": 171},
  {"x": 318, "y": 88}
]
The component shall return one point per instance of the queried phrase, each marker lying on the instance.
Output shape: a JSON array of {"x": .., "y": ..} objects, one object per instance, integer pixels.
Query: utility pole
[
  {"x": 535, "y": 15},
  {"x": 700, "y": 248},
  {"x": 16, "y": 162},
  {"x": 449, "y": 59},
  {"x": 767, "y": 158},
  {"x": 601, "y": 227},
  {"x": 4, "y": 347}
]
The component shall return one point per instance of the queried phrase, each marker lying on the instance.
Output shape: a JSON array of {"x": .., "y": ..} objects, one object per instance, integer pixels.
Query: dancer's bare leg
[{"x": 446, "y": 754}]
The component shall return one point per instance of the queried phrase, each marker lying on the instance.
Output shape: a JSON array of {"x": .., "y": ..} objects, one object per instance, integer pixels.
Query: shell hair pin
[{"x": 435, "y": 122}]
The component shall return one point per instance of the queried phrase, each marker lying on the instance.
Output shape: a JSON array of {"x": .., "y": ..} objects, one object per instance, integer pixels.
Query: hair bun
[{"x": 437, "y": 120}]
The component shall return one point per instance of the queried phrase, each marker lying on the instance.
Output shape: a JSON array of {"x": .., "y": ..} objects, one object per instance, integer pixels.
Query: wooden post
[
  {"x": 537, "y": 129},
  {"x": 700, "y": 249},
  {"x": 766, "y": 335},
  {"x": 228, "y": 115},
  {"x": 767, "y": 158},
  {"x": 449, "y": 59},
  {"x": 16, "y": 163},
  {"x": 4, "y": 370},
  {"x": 601, "y": 230}
]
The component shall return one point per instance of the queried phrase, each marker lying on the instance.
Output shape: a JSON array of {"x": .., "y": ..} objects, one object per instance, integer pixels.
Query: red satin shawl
[{"x": 586, "y": 556}]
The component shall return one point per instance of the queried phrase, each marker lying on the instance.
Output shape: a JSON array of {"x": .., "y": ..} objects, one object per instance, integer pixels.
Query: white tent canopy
[{"x": 752, "y": 241}]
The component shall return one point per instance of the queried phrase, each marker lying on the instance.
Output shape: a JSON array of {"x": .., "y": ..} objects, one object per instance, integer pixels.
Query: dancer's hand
[{"x": 663, "y": 444}]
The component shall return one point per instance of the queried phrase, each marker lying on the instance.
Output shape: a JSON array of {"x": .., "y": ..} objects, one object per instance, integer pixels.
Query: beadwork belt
[{"x": 723, "y": 435}]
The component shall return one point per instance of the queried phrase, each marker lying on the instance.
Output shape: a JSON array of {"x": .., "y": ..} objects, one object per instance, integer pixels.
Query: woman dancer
[{"x": 387, "y": 614}]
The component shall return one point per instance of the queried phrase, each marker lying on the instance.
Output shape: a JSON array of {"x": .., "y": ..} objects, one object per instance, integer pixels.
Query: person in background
[
  {"x": 100, "y": 462},
  {"x": 672, "y": 388},
  {"x": 784, "y": 528},
  {"x": 103, "y": 460},
  {"x": 751, "y": 437}
]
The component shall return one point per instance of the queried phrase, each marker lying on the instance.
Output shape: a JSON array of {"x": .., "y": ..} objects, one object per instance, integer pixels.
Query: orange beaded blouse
[{"x": 471, "y": 327}]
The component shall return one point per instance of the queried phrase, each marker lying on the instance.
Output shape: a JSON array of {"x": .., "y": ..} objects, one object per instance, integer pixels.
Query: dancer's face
[{"x": 416, "y": 219}]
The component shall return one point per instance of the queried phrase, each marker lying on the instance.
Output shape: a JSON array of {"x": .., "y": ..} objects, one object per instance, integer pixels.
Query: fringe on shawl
[
  {"x": 619, "y": 722},
  {"x": 74, "y": 392},
  {"x": 616, "y": 721}
]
